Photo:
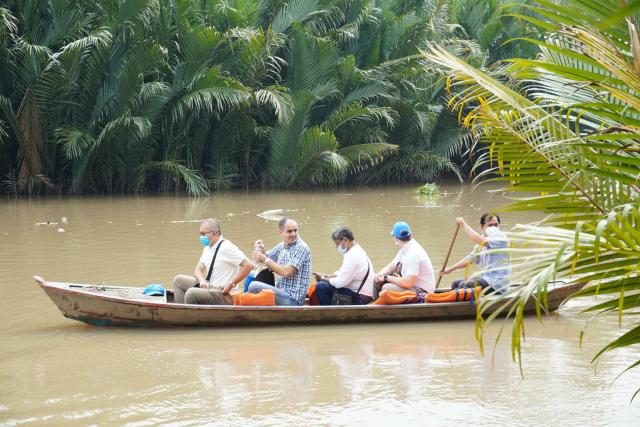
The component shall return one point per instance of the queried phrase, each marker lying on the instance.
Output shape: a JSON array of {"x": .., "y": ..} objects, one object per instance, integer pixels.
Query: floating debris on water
[
  {"x": 63, "y": 220},
  {"x": 272, "y": 215},
  {"x": 48, "y": 223},
  {"x": 61, "y": 230}
]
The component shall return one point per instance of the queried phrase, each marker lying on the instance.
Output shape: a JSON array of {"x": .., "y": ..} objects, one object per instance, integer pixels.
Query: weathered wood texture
[{"x": 126, "y": 306}]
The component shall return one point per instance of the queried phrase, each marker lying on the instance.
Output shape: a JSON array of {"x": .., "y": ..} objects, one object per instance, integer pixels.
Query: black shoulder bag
[
  {"x": 342, "y": 299},
  {"x": 266, "y": 276},
  {"x": 213, "y": 261}
]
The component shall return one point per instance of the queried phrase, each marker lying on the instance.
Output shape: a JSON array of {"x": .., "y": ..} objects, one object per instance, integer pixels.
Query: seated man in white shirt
[
  {"x": 411, "y": 269},
  {"x": 355, "y": 277},
  {"x": 221, "y": 266}
]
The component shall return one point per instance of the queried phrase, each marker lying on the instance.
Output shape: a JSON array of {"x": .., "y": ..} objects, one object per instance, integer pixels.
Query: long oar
[{"x": 448, "y": 253}]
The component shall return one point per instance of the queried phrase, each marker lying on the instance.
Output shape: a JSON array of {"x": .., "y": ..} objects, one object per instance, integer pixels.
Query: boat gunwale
[
  {"x": 63, "y": 288},
  {"x": 53, "y": 286}
]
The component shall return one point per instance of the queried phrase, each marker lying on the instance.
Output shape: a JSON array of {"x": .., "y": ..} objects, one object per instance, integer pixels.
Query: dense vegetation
[
  {"x": 200, "y": 95},
  {"x": 566, "y": 126}
]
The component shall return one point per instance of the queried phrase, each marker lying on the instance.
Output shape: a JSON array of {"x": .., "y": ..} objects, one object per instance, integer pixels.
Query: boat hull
[{"x": 102, "y": 305}]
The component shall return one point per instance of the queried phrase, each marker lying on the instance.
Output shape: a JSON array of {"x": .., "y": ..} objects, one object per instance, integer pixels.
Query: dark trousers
[
  {"x": 325, "y": 291},
  {"x": 471, "y": 283}
]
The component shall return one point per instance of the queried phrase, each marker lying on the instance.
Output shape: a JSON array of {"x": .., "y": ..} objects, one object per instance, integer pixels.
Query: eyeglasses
[{"x": 202, "y": 233}]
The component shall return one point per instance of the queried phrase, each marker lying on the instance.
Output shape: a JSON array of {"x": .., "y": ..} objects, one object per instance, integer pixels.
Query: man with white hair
[{"x": 222, "y": 265}]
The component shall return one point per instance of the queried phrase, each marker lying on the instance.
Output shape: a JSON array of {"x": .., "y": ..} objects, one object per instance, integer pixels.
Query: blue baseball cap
[
  {"x": 401, "y": 229},
  {"x": 154, "y": 289}
]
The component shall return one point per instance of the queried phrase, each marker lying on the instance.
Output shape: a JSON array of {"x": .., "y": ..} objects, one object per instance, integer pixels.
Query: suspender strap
[
  {"x": 365, "y": 276},
  {"x": 213, "y": 261}
]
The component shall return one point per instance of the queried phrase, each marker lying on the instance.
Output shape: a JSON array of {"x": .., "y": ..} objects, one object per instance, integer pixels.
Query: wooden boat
[{"x": 127, "y": 306}]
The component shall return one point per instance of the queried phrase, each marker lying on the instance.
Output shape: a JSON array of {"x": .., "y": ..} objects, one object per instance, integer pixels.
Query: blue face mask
[
  {"x": 341, "y": 250},
  {"x": 204, "y": 241}
]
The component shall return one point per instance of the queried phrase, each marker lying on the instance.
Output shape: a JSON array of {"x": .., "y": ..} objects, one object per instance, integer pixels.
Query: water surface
[{"x": 55, "y": 371}]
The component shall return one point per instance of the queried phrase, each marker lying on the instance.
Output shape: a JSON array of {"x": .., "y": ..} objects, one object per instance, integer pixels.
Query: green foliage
[
  {"x": 564, "y": 127},
  {"x": 498, "y": 30},
  {"x": 156, "y": 95},
  {"x": 428, "y": 190}
]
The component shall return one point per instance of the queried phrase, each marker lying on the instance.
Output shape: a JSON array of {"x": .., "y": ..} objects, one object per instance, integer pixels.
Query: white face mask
[
  {"x": 491, "y": 229},
  {"x": 341, "y": 250}
]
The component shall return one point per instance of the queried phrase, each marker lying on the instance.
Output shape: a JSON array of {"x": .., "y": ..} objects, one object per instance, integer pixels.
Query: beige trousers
[
  {"x": 181, "y": 284},
  {"x": 184, "y": 292},
  {"x": 207, "y": 297}
]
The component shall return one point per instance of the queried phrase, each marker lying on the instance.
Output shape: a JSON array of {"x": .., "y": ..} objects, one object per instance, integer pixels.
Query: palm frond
[
  {"x": 311, "y": 61},
  {"x": 195, "y": 184},
  {"x": 277, "y": 98},
  {"x": 76, "y": 142},
  {"x": 364, "y": 156},
  {"x": 354, "y": 114},
  {"x": 294, "y": 11},
  {"x": 8, "y": 23},
  {"x": 209, "y": 92}
]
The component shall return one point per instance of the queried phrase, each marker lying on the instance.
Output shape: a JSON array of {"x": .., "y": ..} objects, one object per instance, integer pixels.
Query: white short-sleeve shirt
[
  {"x": 353, "y": 271},
  {"x": 227, "y": 263},
  {"x": 416, "y": 262}
]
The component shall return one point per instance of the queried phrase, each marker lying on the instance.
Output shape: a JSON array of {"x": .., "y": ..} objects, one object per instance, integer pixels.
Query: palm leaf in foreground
[{"x": 565, "y": 126}]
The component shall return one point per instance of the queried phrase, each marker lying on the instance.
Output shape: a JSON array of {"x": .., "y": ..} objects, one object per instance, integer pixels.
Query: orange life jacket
[
  {"x": 389, "y": 297},
  {"x": 455, "y": 295},
  {"x": 311, "y": 293},
  {"x": 264, "y": 297}
]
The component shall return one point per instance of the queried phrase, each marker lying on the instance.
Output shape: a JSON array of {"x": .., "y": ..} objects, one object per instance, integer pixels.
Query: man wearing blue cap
[{"x": 411, "y": 269}]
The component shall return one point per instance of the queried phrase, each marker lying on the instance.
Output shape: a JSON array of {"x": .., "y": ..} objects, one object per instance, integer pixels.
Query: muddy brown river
[{"x": 56, "y": 371}]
